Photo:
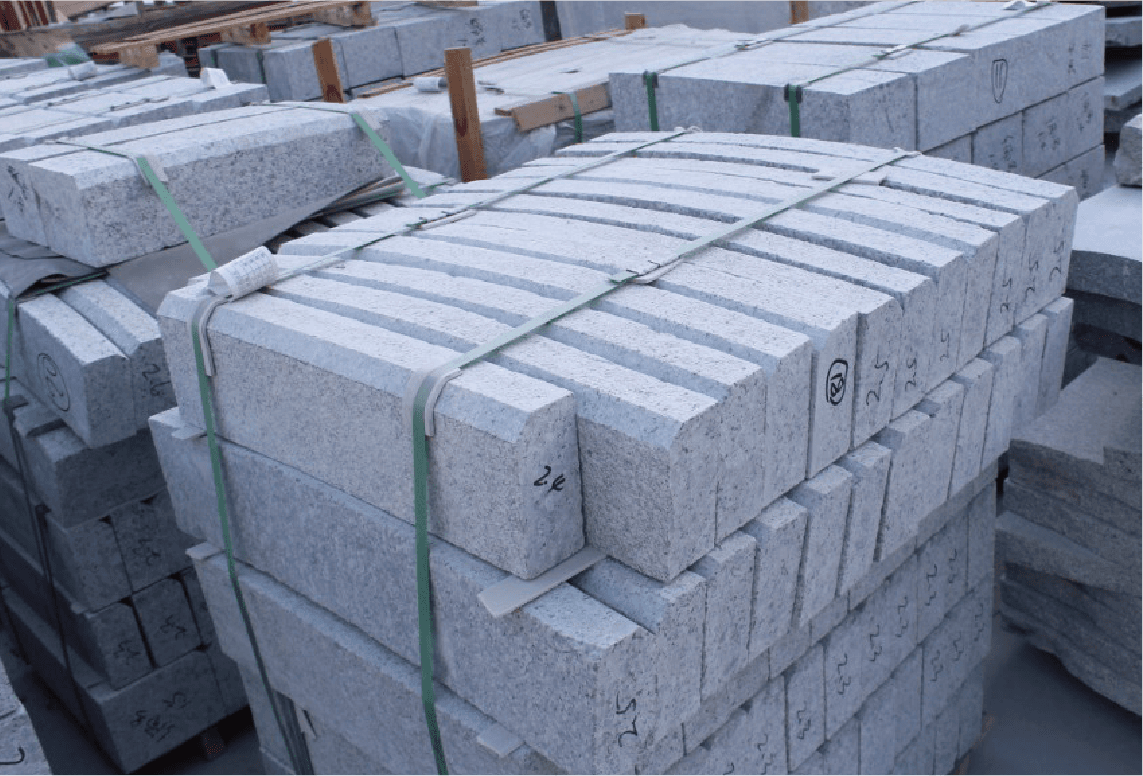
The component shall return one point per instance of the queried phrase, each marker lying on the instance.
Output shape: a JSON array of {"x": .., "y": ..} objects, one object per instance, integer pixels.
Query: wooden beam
[
  {"x": 634, "y": 21},
  {"x": 256, "y": 34},
  {"x": 465, "y": 116},
  {"x": 326, "y": 64},
  {"x": 354, "y": 15},
  {"x": 558, "y": 107},
  {"x": 799, "y": 11},
  {"x": 144, "y": 55}
]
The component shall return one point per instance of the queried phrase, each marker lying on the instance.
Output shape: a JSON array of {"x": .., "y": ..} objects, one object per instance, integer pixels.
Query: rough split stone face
[{"x": 1128, "y": 161}]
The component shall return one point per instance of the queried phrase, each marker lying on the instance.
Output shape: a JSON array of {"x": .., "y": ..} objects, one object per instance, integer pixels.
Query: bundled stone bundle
[
  {"x": 1069, "y": 536},
  {"x": 1022, "y": 94},
  {"x": 785, "y": 445},
  {"x": 407, "y": 39}
]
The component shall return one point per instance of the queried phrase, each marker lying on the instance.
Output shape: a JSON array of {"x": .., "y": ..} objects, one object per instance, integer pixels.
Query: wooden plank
[
  {"x": 634, "y": 21},
  {"x": 256, "y": 34},
  {"x": 144, "y": 55},
  {"x": 557, "y": 107},
  {"x": 799, "y": 11},
  {"x": 465, "y": 117},
  {"x": 326, "y": 64},
  {"x": 354, "y": 15}
]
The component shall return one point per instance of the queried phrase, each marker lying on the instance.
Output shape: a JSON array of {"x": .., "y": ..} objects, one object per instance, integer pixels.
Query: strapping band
[{"x": 577, "y": 117}]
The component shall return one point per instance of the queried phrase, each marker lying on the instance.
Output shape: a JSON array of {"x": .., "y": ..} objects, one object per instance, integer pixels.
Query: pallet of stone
[
  {"x": 220, "y": 168},
  {"x": 135, "y": 102},
  {"x": 923, "y": 619},
  {"x": 20, "y": 751},
  {"x": 403, "y": 40},
  {"x": 905, "y": 75},
  {"x": 144, "y": 719},
  {"x": 511, "y": 89},
  {"x": 839, "y": 318},
  {"x": 1128, "y": 156},
  {"x": 36, "y": 86}
]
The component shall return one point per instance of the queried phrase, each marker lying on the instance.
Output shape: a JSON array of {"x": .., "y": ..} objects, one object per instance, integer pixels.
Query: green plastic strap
[
  {"x": 794, "y": 98},
  {"x": 577, "y": 117},
  {"x": 177, "y": 214},
  {"x": 481, "y": 352},
  {"x": 651, "y": 80},
  {"x": 387, "y": 152},
  {"x": 298, "y": 759}
]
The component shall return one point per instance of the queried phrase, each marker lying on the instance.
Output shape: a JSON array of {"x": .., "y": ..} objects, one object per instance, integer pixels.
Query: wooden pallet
[{"x": 248, "y": 27}]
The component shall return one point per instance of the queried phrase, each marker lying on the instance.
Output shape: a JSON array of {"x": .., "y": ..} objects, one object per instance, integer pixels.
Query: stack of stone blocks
[
  {"x": 786, "y": 446},
  {"x": 1104, "y": 277},
  {"x": 1021, "y": 95},
  {"x": 20, "y": 749},
  {"x": 405, "y": 40},
  {"x": 89, "y": 548},
  {"x": 1123, "y": 86},
  {"x": 1068, "y": 540}
]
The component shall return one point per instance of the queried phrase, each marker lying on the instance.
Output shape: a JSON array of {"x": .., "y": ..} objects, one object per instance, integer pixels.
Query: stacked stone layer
[
  {"x": 93, "y": 558},
  {"x": 786, "y": 440},
  {"x": 999, "y": 97},
  {"x": 1069, "y": 537},
  {"x": 406, "y": 40},
  {"x": 20, "y": 749}
]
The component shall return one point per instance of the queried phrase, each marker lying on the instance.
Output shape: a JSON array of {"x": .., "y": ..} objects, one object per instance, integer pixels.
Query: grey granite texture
[
  {"x": 150, "y": 542},
  {"x": 826, "y": 498},
  {"x": 869, "y": 465},
  {"x": 137, "y": 723},
  {"x": 981, "y": 536},
  {"x": 516, "y": 423},
  {"x": 1024, "y": 543},
  {"x": 908, "y": 438},
  {"x": 166, "y": 620},
  {"x": 729, "y": 573},
  {"x": 21, "y": 743},
  {"x": 1128, "y": 163},
  {"x": 1085, "y": 172},
  {"x": 1123, "y": 31},
  {"x": 98, "y": 209},
  {"x": 1108, "y": 251},
  {"x": 1032, "y": 334},
  {"x": 1059, "y": 315},
  {"x": 78, "y": 482},
  {"x": 944, "y": 406},
  {"x": 780, "y": 536},
  {"x": 1005, "y": 356},
  {"x": 943, "y": 565},
  {"x": 976, "y": 379},
  {"x": 109, "y": 638},
  {"x": 85, "y": 557},
  {"x": 805, "y": 706},
  {"x": 1000, "y": 145}
]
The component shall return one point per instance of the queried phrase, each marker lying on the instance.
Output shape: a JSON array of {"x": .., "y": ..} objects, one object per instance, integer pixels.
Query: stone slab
[
  {"x": 1005, "y": 355},
  {"x": 166, "y": 620},
  {"x": 826, "y": 498},
  {"x": 1000, "y": 145},
  {"x": 729, "y": 573},
  {"x": 1128, "y": 167},
  {"x": 943, "y": 571},
  {"x": 1025, "y": 543},
  {"x": 780, "y": 535},
  {"x": 976, "y": 379},
  {"x": 805, "y": 707},
  {"x": 869, "y": 465},
  {"x": 1107, "y": 252}
]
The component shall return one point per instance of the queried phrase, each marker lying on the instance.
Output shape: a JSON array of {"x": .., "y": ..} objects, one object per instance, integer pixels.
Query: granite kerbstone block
[
  {"x": 1107, "y": 252},
  {"x": 1083, "y": 172},
  {"x": 971, "y": 704},
  {"x": 958, "y": 150},
  {"x": 918, "y": 756},
  {"x": 949, "y": 654},
  {"x": 738, "y": 386},
  {"x": 846, "y": 687},
  {"x": 729, "y": 574},
  {"x": 370, "y": 367},
  {"x": 1128, "y": 167},
  {"x": 826, "y": 498},
  {"x": 878, "y": 730},
  {"x": 981, "y": 536},
  {"x": 1000, "y": 145},
  {"x": 381, "y": 676},
  {"x": 388, "y": 610},
  {"x": 676, "y": 613},
  {"x": 780, "y": 536},
  {"x": 136, "y": 333},
  {"x": 1059, "y": 315},
  {"x": 946, "y": 737},
  {"x": 944, "y": 404},
  {"x": 149, "y": 540},
  {"x": 943, "y": 570},
  {"x": 22, "y": 743},
  {"x": 76, "y": 371},
  {"x": 1006, "y": 356},
  {"x": 1047, "y": 140},
  {"x": 976, "y": 379},
  {"x": 108, "y": 638},
  {"x": 869, "y": 465},
  {"x": 714, "y": 711},
  {"x": 1032, "y": 334},
  {"x": 96, "y": 208},
  {"x": 879, "y": 572},
  {"x": 166, "y": 620},
  {"x": 229, "y": 681},
  {"x": 892, "y": 623},
  {"x": 924, "y": 192},
  {"x": 789, "y": 648},
  {"x": 139, "y": 722},
  {"x": 908, "y": 438},
  {"x": 805, "y": 706},
  {"x": 915, "y": 293},
  {"x": 829, "y": 618}
]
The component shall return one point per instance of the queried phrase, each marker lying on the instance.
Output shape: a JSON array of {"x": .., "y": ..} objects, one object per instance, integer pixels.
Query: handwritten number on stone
[
  {"x": 23, "y": 755},
  {"x": 874, "y": 647},
  {"x": 804, "y": 724},
  {"x": 911, "y": 364},
  {"x": 557, "y": 483},
  {"x": 904, "y": 617},
  {"x": 843, "y": 681},
  {"x": 631, "y": 706}
]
